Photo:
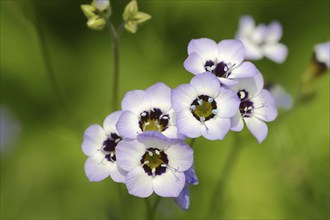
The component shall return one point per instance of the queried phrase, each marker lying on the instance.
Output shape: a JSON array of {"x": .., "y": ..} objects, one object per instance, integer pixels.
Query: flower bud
[
  {"x": 88, "y": 10},
  {"x": 96, "y": 23}
]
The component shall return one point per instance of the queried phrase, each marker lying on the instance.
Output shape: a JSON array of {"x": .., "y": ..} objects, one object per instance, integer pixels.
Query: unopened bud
[{"x": 96, "y": 23}]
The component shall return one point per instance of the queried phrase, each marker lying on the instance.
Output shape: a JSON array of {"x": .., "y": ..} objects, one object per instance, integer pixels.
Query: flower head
[
  {"x": 145, "y": 110},
  {"x": 204, "y": 107},
  {"x": 154, "y": 163},
  {"x": 261, "y": 40},
  {"x": 224, "y": 60},
  {"x": 133, "y": 17},
  {"x": 322, "y": 54},
  {"x": 183, "y": 200},
  {"x": 99, "y": 145},
  {"x": 257, "y": 105}
]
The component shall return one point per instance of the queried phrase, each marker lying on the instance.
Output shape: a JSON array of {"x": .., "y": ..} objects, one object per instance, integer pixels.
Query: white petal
[
  {"x": 139, "y": 183},
  {"x": 253, "y": 85},
  {"x": 276, "y": 52},
  {"x": 246, "y": 69},
  {"x": 129, "y": 154},
  {"x": 206, "y": 48},
  {"x": 183, "y": 96},
  {"x": 117, "y": 174},
  {"x": 110, "y": 122},
  {"x": 206, "y": 84},
  {"x": 172, "y": 132},
  {"x": 180, "y": 156},
  {"x": 152, "y": 139},
  {"x": 246, "y": 24},
  {"x": 216, "y": 129},
  {"x": 160, "y": 96},
  {"x": 259, "y": 34},
  {"x": 97, "y": 167},
  {"x": 227, "y": 103},
  {"x": 169, "y": 184},
  {"x": 283, "y": 98},
  {"x": 183, "y": 200},
  {"x": 257, "y": 127},
  {"x": 322, "y": 53},
  {"x": 187, "y": 124},
  {"x": 264, "y": 106},
  {"x": 228, "y": 82},
  {"x": 231, "y": 51},
  {"x": 191, "y": 177},
  {"x": 94, "y": 136},
  {"x": 236, "y": 122},
  {"x": 194, "y": 64},
  {"x": 128, "y": 125},
  {"x": 136, "y": 101},
  {"x": 274, "y": 32},
  {"x": 252, "y": 50}
]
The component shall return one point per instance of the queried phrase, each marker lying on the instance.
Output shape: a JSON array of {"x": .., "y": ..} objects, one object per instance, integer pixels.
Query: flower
[
  {"x": 133, "y": 17},
  {"x": 154, "y": 163},
  {"x": 322, "y": 54},
  {"x": 183, "y": 200},
  {"x": 224, "y": 60},
  {"x": 204, "y": 107},
  {"x": 97, "y": 12},
  {"x": 102, "y": 5},
  {"x": 261, "y": 40},
  {"x": 282, "y": 98},
  {"x": 100, "y": 145},
  {"x": 257, "y": 105},
  {"x": 148, "y": 110}
]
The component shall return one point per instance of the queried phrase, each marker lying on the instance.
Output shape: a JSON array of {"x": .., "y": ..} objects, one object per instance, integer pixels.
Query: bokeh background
[{"x": 42, "y": 168}]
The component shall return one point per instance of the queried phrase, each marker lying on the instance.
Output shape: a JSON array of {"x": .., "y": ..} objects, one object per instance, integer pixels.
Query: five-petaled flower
[
  {"x": 224, "y": 60},
  {"x": 204, "y": 107},
  {"x": 261, "y": 40},
  {"x": 145, "y": 110},
  {"x": 257, "y": 105},
  {"x": 99, "y": 145},
  {"x": 154, "y": 163}
]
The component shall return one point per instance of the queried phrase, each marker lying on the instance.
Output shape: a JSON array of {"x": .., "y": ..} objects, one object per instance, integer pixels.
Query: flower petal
[
  {"x": 231, "y": 51},
  {"x": 94, "y": 136},
  {"x": 97, "y": 167},
  {"x": 169, "y": 184},
  {"x": 180, "y": 156},
  {"x": 160, "y": 96},
  {"x": 252, "y": 50},
  {"x": 216, "y": 129},
  {"x": 236, "y": 122},
  {"x": 183, "y": 96},
  {"x": 274, "y": 32},
  {"x": 227, "y": 82},
  {"x": 172, "y": 132},
  {"x": 136, "y": 101},
  {"x": 129, "y": 154},
  {"x": 206, "y": 84},
  {"x": 246, "y": 24},
  {"x": 128, "y": 125},
  {"x": 204, "y": 47},
  {"x": 191, "y": 177},
  {"x": 253, "y": 85},
  {"x": 187, "y": 124},
  {"x": 227, "y": 103},
  {"x": 110, "y": 122},
  {"x": 139, "y": 183},
  {"x": 264, "y": 106},
  {"x": 246, "y": 69},
  {"x": 283, "y": 98},
  {"x": 183, "y": 200},
  {"x": 257, "y": 127},
  {"x": 117, "y": 174},
  {"x": 276, "y": 52},
  {"x": 152, "y": 139},
  {"x": 194, "y": 64}
]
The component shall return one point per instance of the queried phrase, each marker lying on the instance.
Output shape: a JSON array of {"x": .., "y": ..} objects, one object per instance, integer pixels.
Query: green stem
[
  {"x": 115, "y": 51},
  {"x": 152, "y": 209},
  {"x": 192, "y": 142},
  {"x": 217, "y": 195}
]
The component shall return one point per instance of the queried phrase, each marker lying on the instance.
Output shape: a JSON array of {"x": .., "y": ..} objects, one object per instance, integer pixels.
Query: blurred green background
[{"x": 42, "y": 172}]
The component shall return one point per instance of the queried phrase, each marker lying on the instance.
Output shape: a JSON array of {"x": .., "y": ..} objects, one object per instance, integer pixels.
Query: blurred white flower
[
  {"x": 322, "y": 53},
  {"x": 10, "y": 128},
  {"x": 282, "y": 98},
  {"x": 261, "y": 40},
  {"x": 102, "y": 5}
]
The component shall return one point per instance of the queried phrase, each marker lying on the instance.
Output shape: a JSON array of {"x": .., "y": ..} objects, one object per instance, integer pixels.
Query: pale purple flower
[
  {"x": 257, "y": 105},
  {"x": 102, "y": 5},
  {"x": 224, "y": 60},
  {"x": 99, "y": 145},
  {"x": 145, "y": 110},
  {"x": 204, "y": 107},
  {"x": 282, "y": 98},
  {"x": 154, "y": 163},
  {"x": 183, "y": 200},
  {"x": 322, "y": 53},
  {"x": 262, "y": 40}
]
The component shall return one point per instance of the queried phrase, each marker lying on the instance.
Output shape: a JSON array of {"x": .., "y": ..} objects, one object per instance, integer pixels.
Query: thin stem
[
  {"x": 224, "y": 176},
  {"x": 153, "y": 209},
  {"x": 115, "y": 51},
  {"x": 192, "y": 142}
]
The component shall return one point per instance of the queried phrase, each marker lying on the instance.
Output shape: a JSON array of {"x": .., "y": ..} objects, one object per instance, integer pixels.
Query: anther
[
  {"x": 143, "y": 114},
  {"x": 242, "y": 94},
  {"x": 214, "y": 111},
  {"x": 192, "y": 107},
  {"x": 210, "y": 99},
  {"x": 157, "y": 152},
  {"x": 163, "y": 165},
  {"x": 200, "y": 101},
  {"x": 150, "y": 153},
  {"x": 202, "y": 119}
]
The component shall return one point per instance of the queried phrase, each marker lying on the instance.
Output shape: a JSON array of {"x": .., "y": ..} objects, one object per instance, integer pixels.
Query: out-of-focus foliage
[{"x": 42, "y": 175}]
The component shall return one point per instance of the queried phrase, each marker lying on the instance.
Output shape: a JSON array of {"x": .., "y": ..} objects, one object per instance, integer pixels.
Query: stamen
[
  {"x": 143, "y": 114},
  {"x": 200, "y": 101},
  {"x": 202, "y": 119},
  {"x": 157, "y": 152},
  {"x": 150, "y": 153},
  {"x": 210, "y": 100},
  {"x": 193, "y": 107},
  {"x": 242, "y": 94},
  {"x": 153, "y": 170},
  {"x": 214, "y": 111},
  {"x": 164, "y": 165}
]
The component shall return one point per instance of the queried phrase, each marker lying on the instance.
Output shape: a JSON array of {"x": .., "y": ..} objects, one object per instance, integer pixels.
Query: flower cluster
[{"x": 143, "y": 144}]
